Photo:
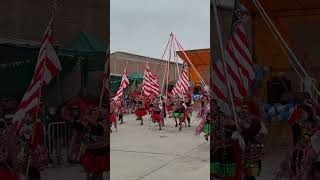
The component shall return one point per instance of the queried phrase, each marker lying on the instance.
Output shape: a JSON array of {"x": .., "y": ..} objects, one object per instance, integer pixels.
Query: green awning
[
  {"x": 18, "y": 61},
  {"x": 137, "y": 77},
  {"x": 115, "y": 82}
]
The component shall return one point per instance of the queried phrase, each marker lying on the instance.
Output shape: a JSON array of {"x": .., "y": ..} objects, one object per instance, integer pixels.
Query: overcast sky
[{"x": 143, "y": 26}]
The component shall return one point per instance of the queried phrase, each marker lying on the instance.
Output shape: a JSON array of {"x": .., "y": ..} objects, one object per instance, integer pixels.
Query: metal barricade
[{"x": 59, "y": 135}]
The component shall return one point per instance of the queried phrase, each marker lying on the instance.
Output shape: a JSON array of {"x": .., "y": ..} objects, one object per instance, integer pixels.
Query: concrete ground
[{"x": 145, "y": 153}]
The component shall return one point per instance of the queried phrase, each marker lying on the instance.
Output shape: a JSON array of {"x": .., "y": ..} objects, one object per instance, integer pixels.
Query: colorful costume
[
  {"x": 225, "y": 151},
  {"x": 95, "y": 157},
  {"x": 112, "y": 115},
  {"x": 204, "y": 125},
  {"x": 306, "y": 142},
  {"x": 33, "y": 150},
  {"x": 254, "y": 149},
  {"x": 179, "y": 111},
  {"x": 141, "y": 111},
  {"x": 156, "y": 114}
]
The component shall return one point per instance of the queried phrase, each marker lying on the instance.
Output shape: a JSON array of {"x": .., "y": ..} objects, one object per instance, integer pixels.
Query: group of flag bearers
[{"x": 180, "y": 109}]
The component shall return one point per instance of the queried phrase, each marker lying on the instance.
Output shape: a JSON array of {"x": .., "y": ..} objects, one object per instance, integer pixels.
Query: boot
[
  {"x": 188, "y": 119},
  {"x": 180, "y": 127},
  {"x": 141, "y": 122},
  {"x": 206, "y": 136}
]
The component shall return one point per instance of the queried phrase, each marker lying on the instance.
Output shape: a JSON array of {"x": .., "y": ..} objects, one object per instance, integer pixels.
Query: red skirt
[
  {"x": 112, "y": 118},
  {"x": 156, "y": 117},
  {"x": 141, "y": 113},
  {"x": 169, "y": 108},
  {"x": 95, "y": 163},
  {"x": 6, "y": 174}
]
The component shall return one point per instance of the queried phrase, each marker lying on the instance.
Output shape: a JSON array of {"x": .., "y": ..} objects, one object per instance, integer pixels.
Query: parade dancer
[
  {"x": 94, "y": 157},
  {"x": 157, "y": 114},
  {"x": 77, "y": 133},
  {"x": 8, "y": 170},
  {"x": 225, "y": 146},
  {"x": 179, "y": 114},
  {"x": 204, "y": 102},
  {"x": 205, "y": 125},
  {"x": 33, "y": 157},
  {"x": 112, "y": 115},
  {"x": 141, "y": 111},
  {"x": 253, "y": 132},
  {"x": 305, "y": 125},
  {"x": 188, "y": 111},
  {"x": 120, "y": 110},
  {"x": 170, "y": 106}
]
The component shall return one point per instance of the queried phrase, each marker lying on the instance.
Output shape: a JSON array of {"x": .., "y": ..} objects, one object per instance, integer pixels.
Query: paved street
[{"x": 144, "y": 153}]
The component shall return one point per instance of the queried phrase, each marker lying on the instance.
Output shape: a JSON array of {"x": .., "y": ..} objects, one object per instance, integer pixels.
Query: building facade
[{"x": 137, "y": 64}]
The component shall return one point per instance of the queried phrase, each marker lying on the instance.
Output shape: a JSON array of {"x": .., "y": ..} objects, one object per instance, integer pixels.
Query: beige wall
[{"x": 138, "y": 64}]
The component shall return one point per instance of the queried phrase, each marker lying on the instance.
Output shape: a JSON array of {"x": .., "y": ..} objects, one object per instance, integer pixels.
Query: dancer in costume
[
  {"x": 170, "y": 106},
  {"x": 204, "y": 101},
  {"x": 253, "y": 132},
  {"x": 205, "y": 125},
  {"x": 120, "y": 110},
  {"x": 8, "y": 169},
  {"x": 112, "y": 115},
  {"x": 33, "y": 156},
  {"x": 149, "y": 104},
  {"x": 188, "y": 111},
  {"x": 306, "y": 141},
  {"x": 157, "y": 113},
  {"x": 77, "y": 130},
  {"x": 178, "y": 113},
  {"x": 94, "y": 158},
  {"x": 225, "y": 146},
  {"x": 141, "y": 111}
]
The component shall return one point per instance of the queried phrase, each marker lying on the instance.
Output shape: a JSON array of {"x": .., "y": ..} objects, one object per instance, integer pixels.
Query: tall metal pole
[{"x": 215, "y": 25}]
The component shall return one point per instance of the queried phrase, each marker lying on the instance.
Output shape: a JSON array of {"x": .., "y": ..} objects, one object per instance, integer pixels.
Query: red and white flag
[
  {"x": 239, "y": 66},
  {"x": 182, "y": 86},
  {"x": 150, "y": 84},
  {"x": 123, "y": 85},
  {"x": 47, "y": 67}
]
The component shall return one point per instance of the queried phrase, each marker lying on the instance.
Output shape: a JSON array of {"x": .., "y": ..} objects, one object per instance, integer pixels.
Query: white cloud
[{"x": 143, "y": 26}]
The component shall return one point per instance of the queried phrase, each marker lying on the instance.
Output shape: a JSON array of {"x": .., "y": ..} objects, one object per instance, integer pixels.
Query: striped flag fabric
[
  {"x": 150, "y": 84},
  {"x": 47, "y": 67},
  {"x": 123, "y": 85},
  {"x": 239, "y": 65},
  {"x": 182, "y": 86}
]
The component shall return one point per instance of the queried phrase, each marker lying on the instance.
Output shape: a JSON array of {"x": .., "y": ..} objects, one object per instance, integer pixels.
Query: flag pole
[
  {"x": 103, "y": 84},
  {"x": 168, "y": 76},
  {"x": 221, "y": 52}
]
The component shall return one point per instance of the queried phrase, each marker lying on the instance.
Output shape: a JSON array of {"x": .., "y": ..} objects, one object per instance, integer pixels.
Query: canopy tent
[
  {"x": 137, "y": 77},
  {"x": 200, "y": 58},
  {"x": 18, "y": 61},
  {"x": 115, "y": 81},
  {"x": 299, "y": 23}
]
